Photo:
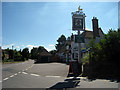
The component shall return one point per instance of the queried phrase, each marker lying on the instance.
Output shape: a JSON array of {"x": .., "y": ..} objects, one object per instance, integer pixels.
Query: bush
[
  {"x": 85, "y": 59},
  {"x": 105, "y": 55}
]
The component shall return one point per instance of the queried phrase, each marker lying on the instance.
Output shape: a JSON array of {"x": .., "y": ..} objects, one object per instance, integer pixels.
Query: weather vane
[{"x": 79, "y": 9}]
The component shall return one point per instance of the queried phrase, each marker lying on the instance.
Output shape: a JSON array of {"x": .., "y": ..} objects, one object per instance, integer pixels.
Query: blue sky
[
  {"x": 119, "y": 14},
  {"x": 33, "y": 24}
]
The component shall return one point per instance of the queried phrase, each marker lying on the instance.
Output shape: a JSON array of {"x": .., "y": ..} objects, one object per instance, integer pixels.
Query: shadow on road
[
  {"x": 49, "y": 63},
  {"x": 110, "y": 79},
  {"x": 68, "y": 83}
]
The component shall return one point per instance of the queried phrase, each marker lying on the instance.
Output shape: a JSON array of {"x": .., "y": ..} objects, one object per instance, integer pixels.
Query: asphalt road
[{"x": 46, "y": 75}]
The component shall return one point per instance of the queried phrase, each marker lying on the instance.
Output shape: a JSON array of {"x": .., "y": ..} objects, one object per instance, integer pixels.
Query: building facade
[{"x": 97, "y": 34}]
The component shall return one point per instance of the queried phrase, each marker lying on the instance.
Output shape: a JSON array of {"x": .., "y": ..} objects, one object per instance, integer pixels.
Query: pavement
[{"x": 47, "y": 75}]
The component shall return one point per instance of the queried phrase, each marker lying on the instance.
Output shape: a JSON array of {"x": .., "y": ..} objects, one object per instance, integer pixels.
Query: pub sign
[{"x": 77, "y": 23}]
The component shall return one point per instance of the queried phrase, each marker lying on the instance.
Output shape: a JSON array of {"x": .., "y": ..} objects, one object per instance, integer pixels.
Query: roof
[
  {"x": 88, "y": 34},
  {"x": 45, "y": 53},
  {"x": 63, "y": 48}
]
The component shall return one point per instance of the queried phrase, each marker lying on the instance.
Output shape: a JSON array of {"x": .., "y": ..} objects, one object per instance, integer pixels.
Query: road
[{"x": 46, "y": 75}]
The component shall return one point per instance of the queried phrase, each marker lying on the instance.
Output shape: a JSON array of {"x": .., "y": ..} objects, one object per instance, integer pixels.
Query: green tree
[
  {"x": 105, "y": 55},
  {"x": 61, "y": 42},
  {"x": 17, "y": 56},
  {"x": 25, "y": 53},
  {"x": 34, "y": 52},
  {"x": 53, "y": 52}
]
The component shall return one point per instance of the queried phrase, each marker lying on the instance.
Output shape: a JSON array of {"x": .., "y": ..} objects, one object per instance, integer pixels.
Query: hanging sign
[{"x": 77, "y": 22}]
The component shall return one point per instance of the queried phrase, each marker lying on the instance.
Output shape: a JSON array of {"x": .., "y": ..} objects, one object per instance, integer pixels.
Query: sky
[
  {"x": 119, "y": 14},
  {"x": 33, "y": 24}
]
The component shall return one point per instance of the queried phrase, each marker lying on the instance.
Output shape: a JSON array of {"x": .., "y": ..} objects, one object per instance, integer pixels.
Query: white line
[
  {"x": 26, "y": 69},
  {"x": 54, "y": 76},
  {"x": 32, "y": 65},
  {"x": 34, "y": 75},
  {"x": 82, "y": 77},
  {"x": 15, "y": 74},
  {"x": 12, "y": 76},
  {"x": 24, "y": 73},
  {"x": 19, "y": 72},
  {"x": 0, "y": 81},
  {"x": 5, "y": 79},
  {"x": 106, "y": 80}
]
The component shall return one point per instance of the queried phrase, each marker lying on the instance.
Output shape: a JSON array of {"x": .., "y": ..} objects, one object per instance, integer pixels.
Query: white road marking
[
  {"x": 26, "y": 69},
  {"x": 15, "y": 74},
  {"x": 106, "y": 80},
  {"x": 70, "y": 77},
  {"x": 0, "y": 81},
  {"x": 34, "y": 75},
  {"x": 82, "y": 77},
  {"x": 32, "y": 66},
  {"x": 5, "y": 79},
  {"x": 12, "y": 76},
  {"x": 24, "y": 73},
  {"x": 19, "y": 72},
  {"x": 54, "y": 76}
]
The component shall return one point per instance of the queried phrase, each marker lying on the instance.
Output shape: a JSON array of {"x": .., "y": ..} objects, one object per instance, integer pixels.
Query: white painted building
[{"x": 97, "y": 34}]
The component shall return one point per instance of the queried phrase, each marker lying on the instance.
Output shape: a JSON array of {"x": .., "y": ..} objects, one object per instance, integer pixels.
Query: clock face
[{"x": 77, "y": 23}]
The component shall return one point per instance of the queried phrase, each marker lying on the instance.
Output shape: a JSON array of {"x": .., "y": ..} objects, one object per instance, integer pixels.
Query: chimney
[{"x": 95, "y": 27}]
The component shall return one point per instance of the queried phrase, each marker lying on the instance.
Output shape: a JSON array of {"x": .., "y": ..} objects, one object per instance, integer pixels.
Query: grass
[{"x": 11, "y": 61}]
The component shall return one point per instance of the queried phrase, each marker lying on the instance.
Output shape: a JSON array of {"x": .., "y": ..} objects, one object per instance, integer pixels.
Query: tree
[
  {"x": 34, "y": 52},
  {"x": 61, "y": 42},
  {"x": 17, "y": 56},
  {"x": 25, "y": 53},
  {"x": 105, "y": 55},
  {"x": 53, "y": 52}
]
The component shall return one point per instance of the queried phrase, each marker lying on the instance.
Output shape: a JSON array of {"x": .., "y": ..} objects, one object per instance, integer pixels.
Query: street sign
[{"x": 79, "y": 39}]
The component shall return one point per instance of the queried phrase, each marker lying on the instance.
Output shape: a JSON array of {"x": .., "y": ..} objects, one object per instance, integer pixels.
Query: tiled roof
[
  {"x": 45, "y": 53},
  {"x": 88, "y": 34}
]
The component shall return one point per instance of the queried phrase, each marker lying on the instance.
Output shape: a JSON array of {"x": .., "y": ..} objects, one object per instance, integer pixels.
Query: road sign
[{"x": 79, "y": 39}]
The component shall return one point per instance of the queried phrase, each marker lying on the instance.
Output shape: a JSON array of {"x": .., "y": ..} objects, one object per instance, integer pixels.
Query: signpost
[{"x": 78, "y": 23}]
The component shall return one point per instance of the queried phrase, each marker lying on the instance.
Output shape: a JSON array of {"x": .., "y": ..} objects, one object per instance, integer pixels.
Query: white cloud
[
  {"x": 17, "y": 47},
  {"x": 31, "y": 46},
  {"x": 7, "y": 46},
  {"x": 48, "y": 49},
  {"x": 51, "y": 45}
]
